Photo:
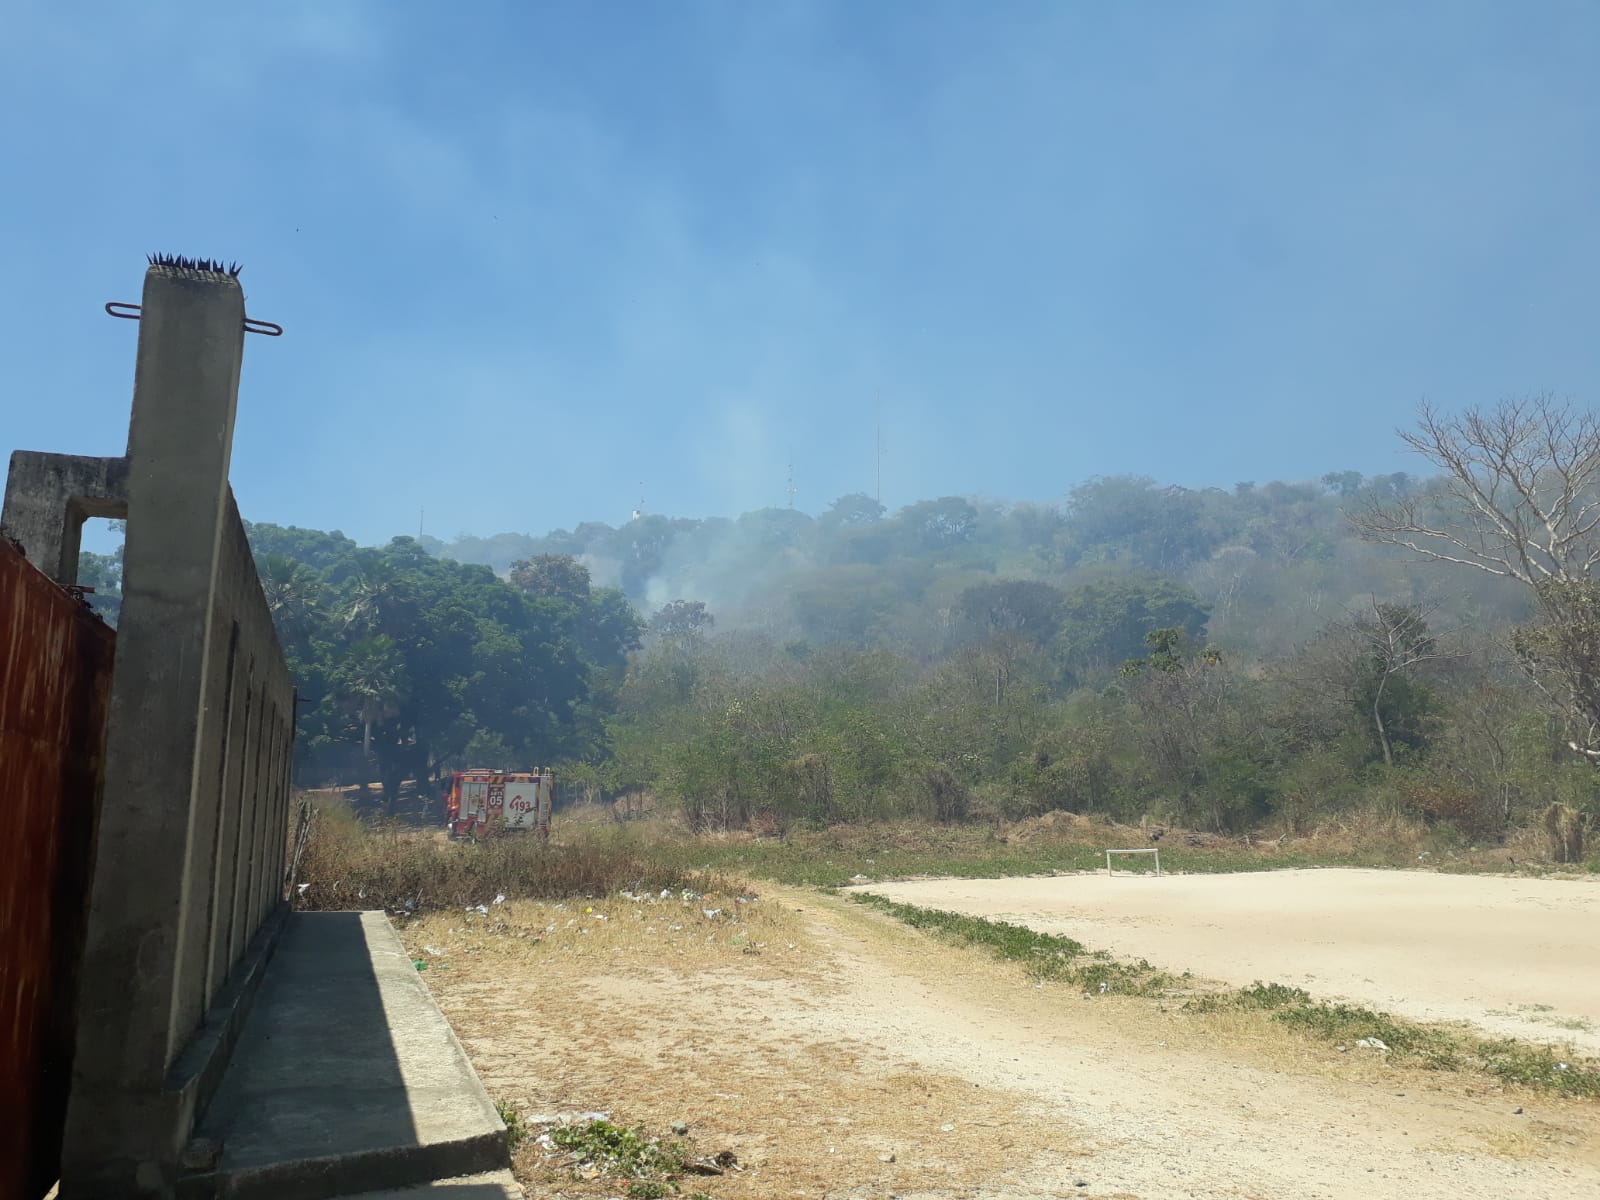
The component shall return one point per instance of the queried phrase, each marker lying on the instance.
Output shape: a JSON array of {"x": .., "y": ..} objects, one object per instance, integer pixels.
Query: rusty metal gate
[{"x": 55, "y": 687}]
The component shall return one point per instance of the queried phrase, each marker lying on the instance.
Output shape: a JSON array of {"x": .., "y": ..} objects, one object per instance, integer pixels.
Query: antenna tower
[{"x": 877, "y": 410}]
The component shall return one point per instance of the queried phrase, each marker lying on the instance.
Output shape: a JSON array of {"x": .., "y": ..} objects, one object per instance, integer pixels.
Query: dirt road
[
  {"x": 842, "y": 1055},
  {"x": 1516, "y": 957}
]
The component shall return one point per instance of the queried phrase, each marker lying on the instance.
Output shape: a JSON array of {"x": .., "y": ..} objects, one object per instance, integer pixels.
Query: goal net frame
[{"x": 1152, "y": 850}]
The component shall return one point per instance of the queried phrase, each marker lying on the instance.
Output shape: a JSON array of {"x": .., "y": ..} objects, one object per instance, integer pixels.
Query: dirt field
[
  {"x": 842, "y": 1055},
  {"x": 1516, "y": 957}
]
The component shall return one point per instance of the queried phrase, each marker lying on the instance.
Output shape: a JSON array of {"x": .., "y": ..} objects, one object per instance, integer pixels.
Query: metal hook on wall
[{"x": 131, "y": 312}]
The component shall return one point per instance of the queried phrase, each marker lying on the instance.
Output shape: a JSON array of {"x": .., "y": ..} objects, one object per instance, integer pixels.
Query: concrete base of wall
[
  {"x": 346, "y": 1079},
  {"x": 495, "y": 1185}
]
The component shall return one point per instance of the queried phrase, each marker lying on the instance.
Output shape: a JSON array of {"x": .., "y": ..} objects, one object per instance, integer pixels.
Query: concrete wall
[
  {"x": 188, "y": 882},
  {"x": 48, "y": 498}
]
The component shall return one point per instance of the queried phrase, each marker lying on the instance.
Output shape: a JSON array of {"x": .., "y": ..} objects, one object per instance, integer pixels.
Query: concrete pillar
[{"x": 153, "y": 870}]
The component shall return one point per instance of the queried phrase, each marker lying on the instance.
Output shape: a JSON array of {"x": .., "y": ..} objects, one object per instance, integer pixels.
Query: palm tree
[
  {"x": 371, "y": 684},
  {"x": 293, "y": 593},
  {"x": 375, "y": 599}
]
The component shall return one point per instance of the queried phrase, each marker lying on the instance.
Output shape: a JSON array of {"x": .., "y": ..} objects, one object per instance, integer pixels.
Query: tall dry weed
[
  {"x": 1564, "y": 828},
  {"x": 353, "y": 864}
]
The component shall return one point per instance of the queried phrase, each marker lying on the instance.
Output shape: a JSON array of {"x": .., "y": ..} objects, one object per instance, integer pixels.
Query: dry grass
[
  {"x": 350, "y": 863},
  {"x": 1052, "y": 843},
  {"x": 689, "y": 929},
  {"x": 653, "y": 1012},
  {"x": 1534, "y": 1140}
]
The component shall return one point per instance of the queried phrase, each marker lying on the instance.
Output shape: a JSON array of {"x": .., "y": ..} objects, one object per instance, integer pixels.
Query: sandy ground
[
  {"x": 843, "y": 1055},
  {"x": 1516, "y": 957}
]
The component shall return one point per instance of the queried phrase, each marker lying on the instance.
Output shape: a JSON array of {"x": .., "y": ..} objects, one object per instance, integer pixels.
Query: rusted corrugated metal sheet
[{"x": 55, "y": 686}]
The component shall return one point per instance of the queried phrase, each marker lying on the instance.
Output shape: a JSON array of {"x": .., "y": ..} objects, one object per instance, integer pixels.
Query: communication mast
[{"x": 877, "y": 412}]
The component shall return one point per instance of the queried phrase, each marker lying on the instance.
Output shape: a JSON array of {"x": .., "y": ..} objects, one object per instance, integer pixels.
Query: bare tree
[
  {"x": 1521, "y": 492},
  {"x": 1520, "y": 498}
]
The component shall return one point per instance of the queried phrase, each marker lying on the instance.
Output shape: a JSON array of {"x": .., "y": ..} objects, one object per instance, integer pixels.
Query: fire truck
[{"x": 484, "y": 804}]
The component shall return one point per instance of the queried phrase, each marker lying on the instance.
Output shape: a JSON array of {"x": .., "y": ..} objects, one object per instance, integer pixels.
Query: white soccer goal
[{"x": 1155, "y": 850}]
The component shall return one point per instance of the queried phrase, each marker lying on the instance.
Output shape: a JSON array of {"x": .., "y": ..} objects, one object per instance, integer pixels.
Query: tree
[
  {"x": 1368, "y": 661},
  {"x": 1204, "y": 741},
  {"x": 103, "y": 573},
  {"x": 314, "y": 548},
  {"x": 857, "y": 508},
  {"x": 1520, "y": 498},
  {"x": 293, "y": 593},
  {"x": 682, "y": 620},
  {"x": 552, "y": 576},
  {"x": 1012, "y": 617},
  {"x": 371, "y": 684},
  {"x": 939, "y": 524},
  {"x": 1104, "y": 624},
  {"x": 609, "y": 628},
  {"x": 1131, "y": 518},
  {"x": 1343, "y": 483},
  {"x": 1395, "y": 641},
  {"x": 1025, "y": 607},
  {"x": 771, "y": 529}
]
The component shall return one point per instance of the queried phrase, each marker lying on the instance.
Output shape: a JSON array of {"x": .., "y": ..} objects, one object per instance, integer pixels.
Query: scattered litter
[
  {"x": 665, "y": 893},
  {"x": 1371, "y": 1043},
  {"x": 1104, "y": 987},
  {"x": 420, "y": 965},
  {"x": 859, "y": 878},
  {"x": 301, "y": 888},
  {"x": 500, "y": 899},
  {"x": 885, "y": 1158},
  {"x": 711, "y": 914},
  {"x": 601, "y": 917},
  {"x": 483, "y": 909},
  {"x": 719, "y": 1163},
  {"x": 947, "y": 1128},
  {"x": 433, "y": 950},
  {"x": 681, "y": 1128}
]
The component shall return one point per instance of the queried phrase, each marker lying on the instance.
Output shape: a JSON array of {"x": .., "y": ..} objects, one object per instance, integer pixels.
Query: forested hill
[
  {"x": 1224, "y": 659},
  {"x": 1268, "y": 565}
]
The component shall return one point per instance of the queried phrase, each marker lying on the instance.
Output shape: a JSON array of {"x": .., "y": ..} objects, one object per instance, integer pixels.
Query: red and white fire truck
[{"x": 486, "y": 803}]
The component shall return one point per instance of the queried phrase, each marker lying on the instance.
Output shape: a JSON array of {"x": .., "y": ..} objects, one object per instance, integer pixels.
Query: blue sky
[{"x": 537, "y": 260}]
